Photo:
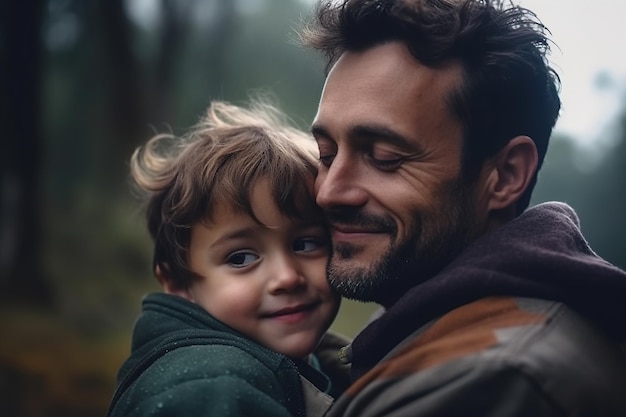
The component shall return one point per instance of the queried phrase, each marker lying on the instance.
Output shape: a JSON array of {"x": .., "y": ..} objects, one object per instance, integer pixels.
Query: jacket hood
[
  {"x": 540, "y": 254},
  {"x": 168, "y": 323},
  {"x": 153, "y": 331}
]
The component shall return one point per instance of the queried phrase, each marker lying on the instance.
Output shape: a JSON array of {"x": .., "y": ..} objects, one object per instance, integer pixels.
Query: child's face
[{"x": 268, "y": 283}]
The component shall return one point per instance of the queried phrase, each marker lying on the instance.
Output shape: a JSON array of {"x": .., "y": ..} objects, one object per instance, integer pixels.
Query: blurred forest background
[{"x": 83, "y": 82}]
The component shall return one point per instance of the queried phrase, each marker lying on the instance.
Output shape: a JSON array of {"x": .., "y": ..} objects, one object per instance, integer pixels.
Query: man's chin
[
  {"x": 363, "y": 252},
  {"x": 356, "y": 278},
  {"x": 353, "y": 258}
]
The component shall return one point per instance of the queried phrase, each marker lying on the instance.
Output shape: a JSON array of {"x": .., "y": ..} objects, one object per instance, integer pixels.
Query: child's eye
[
  {"x": 308, "y": 244},
  {"x": 241, "y": 259}
]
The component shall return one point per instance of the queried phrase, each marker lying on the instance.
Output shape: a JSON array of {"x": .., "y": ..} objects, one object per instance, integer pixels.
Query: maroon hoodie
[{"x": 541, "y": 254}]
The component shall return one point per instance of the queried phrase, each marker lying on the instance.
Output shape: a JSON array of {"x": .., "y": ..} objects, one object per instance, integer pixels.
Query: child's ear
[
  {"x": 168, "y": 286},
  {"x": 512, "y": 170}
]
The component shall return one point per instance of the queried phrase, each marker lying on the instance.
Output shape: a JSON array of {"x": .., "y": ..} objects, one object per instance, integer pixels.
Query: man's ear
[
  {"x": 168, "y": 286},
  {"x": 511, "y": 171}
]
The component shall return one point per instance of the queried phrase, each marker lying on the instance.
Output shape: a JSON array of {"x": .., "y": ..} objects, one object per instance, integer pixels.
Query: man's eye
[
  {"x": 327, "y": 149},
  {"x": 308, "y": 244},
  {"x": 241, "y": 259},
  {"x": 326, "y": 160},
  {"x": 389, "y": 164}
]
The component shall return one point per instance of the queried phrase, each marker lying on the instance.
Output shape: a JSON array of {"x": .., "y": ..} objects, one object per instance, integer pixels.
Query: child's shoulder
[
  {"x": 227, "y": 356},
  {"x": 175, "y": 340},
  {"x": 190, "y": 380}
]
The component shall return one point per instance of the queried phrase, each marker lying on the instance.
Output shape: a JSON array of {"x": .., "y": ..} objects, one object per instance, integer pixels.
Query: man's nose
[{"x": 341, "y": 184}]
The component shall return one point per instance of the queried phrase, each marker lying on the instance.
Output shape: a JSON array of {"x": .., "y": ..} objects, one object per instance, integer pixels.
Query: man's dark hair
[{"x": 508, "y": 87}]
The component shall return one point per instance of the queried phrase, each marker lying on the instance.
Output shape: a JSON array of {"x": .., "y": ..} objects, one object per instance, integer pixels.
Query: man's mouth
[
  {"x": 342, "y": 228},
  {"x": 342, "y": 232},
  {"x": 359, "y": 223}
]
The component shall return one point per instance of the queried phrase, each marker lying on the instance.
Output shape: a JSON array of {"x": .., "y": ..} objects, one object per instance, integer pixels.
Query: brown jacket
[{"x": 498, "y": 356}]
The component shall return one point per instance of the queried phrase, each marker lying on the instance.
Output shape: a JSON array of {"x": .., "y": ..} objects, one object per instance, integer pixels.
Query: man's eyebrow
[
  {"x": 369, "y": 132},
  {"x": 381, "y": 133},
  {"x": 319, "y": 130}
]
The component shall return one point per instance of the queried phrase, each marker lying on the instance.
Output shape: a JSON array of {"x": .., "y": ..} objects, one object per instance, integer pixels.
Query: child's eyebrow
[
  {"x": 248, "y": 231},
  {"x": 235, "y": 234}
]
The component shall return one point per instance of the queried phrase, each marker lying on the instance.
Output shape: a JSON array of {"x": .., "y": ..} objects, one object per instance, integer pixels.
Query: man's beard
[{"x": 436, "y": 238}]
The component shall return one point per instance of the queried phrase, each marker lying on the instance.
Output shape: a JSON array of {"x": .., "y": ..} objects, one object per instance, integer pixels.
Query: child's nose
[{"x": 286, "y": 276}]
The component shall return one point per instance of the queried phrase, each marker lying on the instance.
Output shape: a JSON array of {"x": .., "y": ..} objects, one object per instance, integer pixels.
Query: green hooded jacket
[{"x": 184, "y": 362}]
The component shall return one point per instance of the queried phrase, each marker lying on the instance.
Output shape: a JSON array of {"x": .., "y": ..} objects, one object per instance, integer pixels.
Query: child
[{"x": 240, "y": 251}]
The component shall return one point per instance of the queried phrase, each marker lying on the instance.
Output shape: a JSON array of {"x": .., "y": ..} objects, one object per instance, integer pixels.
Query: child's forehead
[{"x": 259, "y": 217}]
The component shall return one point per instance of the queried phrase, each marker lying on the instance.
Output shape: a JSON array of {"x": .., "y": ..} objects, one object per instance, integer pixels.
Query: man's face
[{"x": 390, "y": 175}]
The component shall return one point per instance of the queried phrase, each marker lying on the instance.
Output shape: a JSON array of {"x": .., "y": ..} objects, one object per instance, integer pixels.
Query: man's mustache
[{"x": 357, "y": 217}]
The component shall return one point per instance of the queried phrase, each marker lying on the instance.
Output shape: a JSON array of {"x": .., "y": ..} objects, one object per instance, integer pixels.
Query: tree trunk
[
  {"x": 21, "y": 276},
  {"x": 126, "y": 102}
]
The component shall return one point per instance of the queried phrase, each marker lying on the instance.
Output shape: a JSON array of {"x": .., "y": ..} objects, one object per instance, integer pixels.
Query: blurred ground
[{"x": 49, "y": 368}]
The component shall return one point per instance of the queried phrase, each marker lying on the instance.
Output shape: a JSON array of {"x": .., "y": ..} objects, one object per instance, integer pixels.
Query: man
[{"x": 434, "y": 120}]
